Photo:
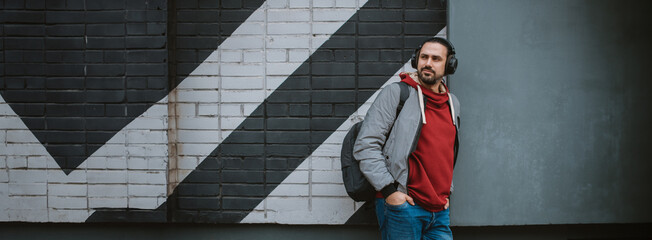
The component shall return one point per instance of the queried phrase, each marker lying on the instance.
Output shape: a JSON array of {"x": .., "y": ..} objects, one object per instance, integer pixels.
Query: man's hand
[
  {"x": 398, "y": 198},
  {"x": 448, "y": 201}
]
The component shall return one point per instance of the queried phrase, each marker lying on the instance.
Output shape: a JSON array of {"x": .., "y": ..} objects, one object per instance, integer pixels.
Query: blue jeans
[{"x": 411, "y": 222}]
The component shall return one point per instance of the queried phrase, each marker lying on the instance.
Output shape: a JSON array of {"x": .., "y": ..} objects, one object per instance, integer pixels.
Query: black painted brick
[
  {"x": 247, "y": 163},
  {"x": 333, "y": 96},
  {"x": 105, "y": 96},
  {"x": 299, "y": 110},
  {"x": 143, "y": 56},
  {"x": 339, "y": 42},
  {"x": 297, "y": 82},
  {"x": 65, "y": 83},
  {"x": 198, "y": 203},
  {"x": 66, "y": 137},
  {"x": 95, "y": 137},
  {"x": 105, "y": 16},
  {"x": 105, "y": 29},
  {"x": 117, "y": 110},
  {"x": 425, "y": 16},
  {"x": 422, "y": 28},
  {"x": 385, "y": 28},
  {"x": 23, "y": 17},
  {"x": 281, "y": 96},
  {"x": 94, "y": 110},
  {"x": 37, "y": 123},
  {"x": 252, "y": 124},
  {"x": 105, "y": 83},
  {"x": 24, "y": 30},
  {"x": 114, "y": 56},
  {"x": 276, "y": 176},
  {"x": 287, "y": 137},
  {"x": 197, "y": 42},
  {"x": 199, "y": 189},
  {"x": 331, "y": 123},
  {"x": 65, "y": 30},
  {"x": 157, "y": 83},
  {"x": 137, "y": 16},
  {"x": 136, "y": 109},
  {"x": 66, "y": 150},
  {"x": 146, "y": 69},
  {"x": 65, "y": 123},
  {"x": 242, "y": 150},
  {"x": 344, "y": 55},
  {"x": 231, "y": 176},
  {"x": 156, "y": 28},
  {"x": 376, "y": 68},
  {"x": 333, "y": 68},
  {"x": 64, "y": 43},
  {"x": 105, "y": 70},
  {"x": 64, "y": 56},
  {"x": 104, "y": 5},
  {"x": 62, "y": 110},
  {"x": 65, "y": 69},
  {"x": 391, "y": 56},
  {"x": 371, "y": 82},
  {"x": 146, "y": 42},
  {"x": 246, "y": 137},
  {"x": 240, "y": 203},
  {"x": 201, "y": 16},
  {"x": 65, "y": 96},
  {"x": 322, "y": 56},
  {"x": 363, "y": 95},
  {"x": 14, "y": 4},
  {"x": 157, "y": 4},
  {"x": 156, "y": 16},
  {"x": 200, "y": 176},
  {"x": 23, "y": 43},
  {"x": 24, "y": 69},
  {"x": 344, "y": 110},
  {"x": 145, "y": 96},
  {"x": 283, "y": 150},
  {"x": 34, "y": 109},
  {"x": 276, "y": 110},
  {"x": 248, "y": 190},
  {"x": 136, "y": 28},
  {"x": 377, "y": 15},
  {"x": 379, "y": 42},
  {"x": 52, "y": 17},
  {"x": 105, "y": 43},
  {"x": 322, "y": 110},
  {"x": 415, "y": 4},
  {"x": 288, "y": 124},
  {"x": 333, "y": 82},
  {"x": 276, "y": 163}
]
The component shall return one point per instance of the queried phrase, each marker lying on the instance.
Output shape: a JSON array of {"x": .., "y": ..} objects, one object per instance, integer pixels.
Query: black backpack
[{"x": 357, "y": 186}]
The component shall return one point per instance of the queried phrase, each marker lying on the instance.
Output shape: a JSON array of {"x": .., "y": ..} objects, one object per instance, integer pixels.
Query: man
[{"x": 409, "y": 158}]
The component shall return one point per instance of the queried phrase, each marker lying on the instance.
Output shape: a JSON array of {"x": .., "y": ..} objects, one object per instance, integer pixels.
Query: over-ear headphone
[{"x": 451, "y": 60}]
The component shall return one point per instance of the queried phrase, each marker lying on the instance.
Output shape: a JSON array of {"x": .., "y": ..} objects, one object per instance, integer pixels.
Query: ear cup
[{"x": 451, "y": 65}]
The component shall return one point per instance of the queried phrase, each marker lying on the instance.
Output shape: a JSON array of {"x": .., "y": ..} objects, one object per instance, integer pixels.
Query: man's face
[{"x": 431, "y": 62}]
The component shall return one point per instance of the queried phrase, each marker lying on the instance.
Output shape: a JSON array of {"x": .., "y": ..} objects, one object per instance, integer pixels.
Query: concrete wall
[{"x": 556, "y": 112}]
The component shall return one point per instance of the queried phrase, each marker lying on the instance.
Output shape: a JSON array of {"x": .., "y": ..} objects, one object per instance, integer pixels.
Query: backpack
[{"x": 357, "y": 186}]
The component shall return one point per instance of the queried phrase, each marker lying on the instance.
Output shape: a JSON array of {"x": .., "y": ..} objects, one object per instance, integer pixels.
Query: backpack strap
[{"x": 405, "y": 93}]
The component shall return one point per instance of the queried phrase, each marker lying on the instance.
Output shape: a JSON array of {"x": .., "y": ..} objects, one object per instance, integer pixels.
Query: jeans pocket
[{"x": 402, "y": 206}]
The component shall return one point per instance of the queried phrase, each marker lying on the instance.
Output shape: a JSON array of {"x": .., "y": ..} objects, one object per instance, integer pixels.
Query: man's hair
[{"x": 442, "y": 41}]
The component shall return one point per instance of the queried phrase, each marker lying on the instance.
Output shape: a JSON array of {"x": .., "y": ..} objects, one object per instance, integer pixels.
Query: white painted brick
[
  {"x": 234, "y": 110},
  {"x": 207, "y": 68},
  {"x": 293, "y": 15},
  {"x": 150, "y": 150},
  {"x": 207, "y": 109},
  {"x": 4, "y": 177},
  {"x": 288, "y": 28},
  {"x": 16, "y": 162},
  {"x": 249, "y": 108},
  {"x": 345, "y": 3},
  {"x": 147, "y": 136},
  {"x": 240, "y": 96},
  {"x": 25, "y": 149},
  {"x": 105, "y": 202},
  {"x": 242, "y": 70},
  {"x": 11, "y": 122},
  {"x": 253, "y": 56},
  {"x": 116, "y": 163},
  {"x": 67, "y": 215},
  {"x": 323, "y": 204},
  {"x": 299, "y": 4},
  {"x": 297, "y": 177},
  {"x": 37, "y": 162},
  {"x": 207, "y": 96},
  {"x": 322, "y": 163},
  {"x": 251, "y": 28},
  {"x": 242, "y": 83},
  {"x": 336, "y": 137},
  {"x": 282, "y": 69},
  {"x": 231, "y": 122},
  {"x": 147, "y": 177},
  {"x": 288, "y": 42},
  {"x": 273, "y": 82},
  {"x": 283, "y": 204},
  {"x": 339, "y": 15},
  {"x": 136, "y": 163},
  {"x": 198, "y": 136},
  {"x": 27, "y": 176},
  {"x": 143, "y": 203},
  {"x": 28, "y": 215},
  {"x": 328, "y": 190},
  {"x": 67, "y": 202},
  {"x": 324, "y": 3},
  {"x": 199, "y": 82},
  {"x": 291, "y": 190},
  {"x": 185, "y": 109},
  {"x": 103, "y": 190},
  {"x": 67, "y": 190},
  {"x": 231, "y": 56},
  {"x": 236, "y": 42},
  {"x": 325, "y": 27},
  {"x": 107, "y": 176},
  {"x": 57, "y": 176},
  {"x": 19, "y": 136},
  {"x": 157, "y": 163},
  {"x": 199, "y": 123},
  {"x": 326, "y": 177},
  {"x": 27, "y": 189},
  {"x": 258, "y": 15},
  {"x": 27, "y": 202},
  {"x": 147, "y": 190},
  {"x": 328, "y": 150},
  {"x": 276, "y": 55},
  {"x": 187, "y": 162},
  {"x": 110, "y": 149},
  {"x": 318, "y": 41},
  {"x": 158, "y": 109},
  {"x": 196, "y": 149},
  {"x": 299, "y": 55},
  {"x": 277, "y": 3},
  {"x": 96, "y": 162}
]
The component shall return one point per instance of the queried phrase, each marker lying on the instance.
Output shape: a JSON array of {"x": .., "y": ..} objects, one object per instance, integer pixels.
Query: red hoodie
[{"x": 431, "y": 164}]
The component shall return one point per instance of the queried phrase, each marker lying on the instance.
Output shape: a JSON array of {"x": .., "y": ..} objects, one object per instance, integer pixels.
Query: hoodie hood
[{"x": 435, "y": 98}]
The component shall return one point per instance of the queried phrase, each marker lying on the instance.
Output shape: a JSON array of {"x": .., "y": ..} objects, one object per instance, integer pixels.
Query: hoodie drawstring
[{"x": 423, "y": 112}]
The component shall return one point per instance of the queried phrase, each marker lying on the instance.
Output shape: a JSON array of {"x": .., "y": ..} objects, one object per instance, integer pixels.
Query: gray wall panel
[{"x": 555, "y": 112}]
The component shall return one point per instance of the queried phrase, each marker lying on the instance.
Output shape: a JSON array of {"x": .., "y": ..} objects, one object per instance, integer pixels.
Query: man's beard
[{"x": 432, "y": 79}]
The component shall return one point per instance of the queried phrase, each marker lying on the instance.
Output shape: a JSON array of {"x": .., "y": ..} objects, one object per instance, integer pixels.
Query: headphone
[{"x": 451, "y": 60}]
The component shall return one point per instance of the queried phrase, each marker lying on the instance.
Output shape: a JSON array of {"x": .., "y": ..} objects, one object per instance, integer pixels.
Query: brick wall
[{"x": 192, "y": 111}]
